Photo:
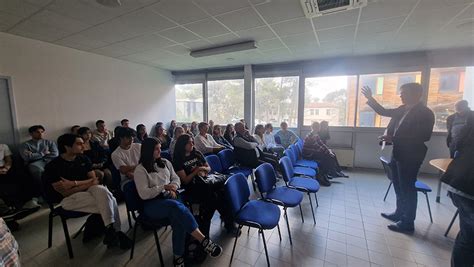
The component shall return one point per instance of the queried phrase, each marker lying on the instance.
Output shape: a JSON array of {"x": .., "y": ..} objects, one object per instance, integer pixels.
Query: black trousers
[
  {"x": 463, "y": 250},
  {"x": 327, "y": 164},
  {"x": 15, "y": 188},
  {"x": 269, "y": 157},
  {"x": 404, "y": 178}
]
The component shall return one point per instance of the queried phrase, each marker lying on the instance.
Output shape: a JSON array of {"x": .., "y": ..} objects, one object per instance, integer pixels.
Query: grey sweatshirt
[{"x": 33, "y": 150}]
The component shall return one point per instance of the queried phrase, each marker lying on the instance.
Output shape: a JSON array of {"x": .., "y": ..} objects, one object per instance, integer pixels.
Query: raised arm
[{"x": 372, "y": 102}]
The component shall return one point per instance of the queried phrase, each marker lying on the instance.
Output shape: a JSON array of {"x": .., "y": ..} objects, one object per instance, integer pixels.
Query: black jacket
[
  {"x": 449, "y": 125},
  {"x": 415, "y": 129}
]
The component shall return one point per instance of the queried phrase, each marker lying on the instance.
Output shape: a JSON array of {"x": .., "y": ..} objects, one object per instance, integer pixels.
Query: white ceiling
[{"x": 161, "y": 33}]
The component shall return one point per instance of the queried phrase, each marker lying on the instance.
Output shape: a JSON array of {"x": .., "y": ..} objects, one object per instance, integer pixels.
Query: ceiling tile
[
  {"x": 216, "y": 7},
  {"x": 270, "y": 44},
  {"x": 467, "y": 14},
  {"x": 433, "y": 18},
  {"x": 336, "y": 19},
  {"x": 179, "y": 35},
  {"x": 17, "y": 8},
  {"x": 144, "y": 21},
  {"x": 223, "y": 39},
  {"x": 108, "y": 32},
  {"x": 8, "y": 20},
  {"x": 438, "y": 4},
  {"x": 346, "y": 32},
  {"x": 113, "y": 50},
  {"x": 391, "y": 24},
  {"x": 300, "y": 40},
  {"x": 181, "y": 11},
  {"x": 241, "y": 20},
  {"x": 256, "y": 34},
  {"x": 281, "y": 10},
  {"x": 146, "y": 42},
  {"x": 148, "y": 56},
  {"x": 38, "y": 31},
  {"x": 293, "y": 27},
  {"x": 58, "y": 21},
  {"x": 387, "y": 9},
  {"x": 82, "y": 42},
  {"x": 178, "y": 50},
  {"x": 198, "y": 44},
  {"x": 207, "y": 28}
]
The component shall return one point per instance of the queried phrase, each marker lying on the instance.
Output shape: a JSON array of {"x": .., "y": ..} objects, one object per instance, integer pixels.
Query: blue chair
[
  {"x": 282, "y": 196},
  {"x": 420, "y": 186},
  {"x": 135, "y": 205},
  {"x": 258, "y": 214},
  {"x": 277, "y": 139},
  {"x": 299, "y": 158},
  {"x": 228, "y": 163},
  {"x": 215, "y": 163},
  {"x": 305, "y": 185},
  {"x": 300, "y": 171},
  {"x": 117, "y": 179},
  {"x": 166, "y": 154}
]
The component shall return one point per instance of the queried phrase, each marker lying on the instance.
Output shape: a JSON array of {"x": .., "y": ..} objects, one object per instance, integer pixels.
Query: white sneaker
[{"x": 32, "y": 204}]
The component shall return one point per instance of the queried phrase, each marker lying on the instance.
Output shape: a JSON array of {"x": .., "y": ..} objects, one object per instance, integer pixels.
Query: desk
[{"x": 441, "y": 165}]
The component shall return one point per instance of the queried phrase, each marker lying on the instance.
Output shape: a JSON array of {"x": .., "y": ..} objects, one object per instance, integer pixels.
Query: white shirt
[
  {"x": 205, "y": 145},
  {"x": 269, "y": 140},
  {"x": 121, "y": 157},
  {"x": 151, "y": 184},
  {"x": 4, "y": 152},
  {"x": 261, "y": 142}
]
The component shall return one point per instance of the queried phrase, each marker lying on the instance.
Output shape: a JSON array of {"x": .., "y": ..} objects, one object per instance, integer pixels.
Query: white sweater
[{"x": 151, "y": 184}]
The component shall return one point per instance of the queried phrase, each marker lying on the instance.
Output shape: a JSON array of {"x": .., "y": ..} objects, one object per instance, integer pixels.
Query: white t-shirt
[
  {"x": 205, "y": 145},
  {"x": 4, "y": 151},
  {"x": 121, "y": 157}
]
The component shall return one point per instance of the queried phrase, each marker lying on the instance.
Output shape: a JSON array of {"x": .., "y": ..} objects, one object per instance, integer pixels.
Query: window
[
  {"x": 446, "y": 87},
  {"x": 389, "y": 96},
  {"x": 226, "y": 101},
  {"x": 276, "y": 100},
  {"x": 189, "y": 102},
  {"x": 374, "y": 82},
  {"x": 336, "y": 93}
]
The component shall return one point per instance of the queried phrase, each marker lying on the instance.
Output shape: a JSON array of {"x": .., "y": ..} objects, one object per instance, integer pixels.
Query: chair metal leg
[
  {"x": 129, "y": 219},
  {"x": 312, "y": 209},
  {"x": 287, "y": 224},
  {"x": 451, "y": 223},
  {"x": 132, "y": 249},
  {"x": 265, "y": 246},
  {"x": 248, "y": 231},
  {"x": 50, "y": 230},
  {"x": 301, "y": 211},
  {"x": 316, "y": 198},
  {"x": 235, "y": 243},
  {"x": 79, "y": 231},
  {"x": 252, "y": 177},
  {"x": 158, "y": 247},
  {"x": 68, "y": 239},
  {"x": 386, "y": 193},
  {"x": 279, "y": 232},
  {"x": 429, "y": 208}
]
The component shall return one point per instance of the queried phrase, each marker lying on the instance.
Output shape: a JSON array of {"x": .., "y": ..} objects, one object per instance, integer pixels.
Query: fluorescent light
[{"x": 223, "y": 49}]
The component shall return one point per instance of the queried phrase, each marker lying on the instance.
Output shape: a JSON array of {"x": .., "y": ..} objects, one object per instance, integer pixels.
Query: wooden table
[{"x": 441, "y": 165}]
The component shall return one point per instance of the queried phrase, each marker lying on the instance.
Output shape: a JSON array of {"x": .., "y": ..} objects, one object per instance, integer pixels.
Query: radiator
[{"x": 345, "y": 156}]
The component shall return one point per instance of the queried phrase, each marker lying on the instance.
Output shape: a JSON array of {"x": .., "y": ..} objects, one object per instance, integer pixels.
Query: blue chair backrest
[
  {"x": 266, "y": 177},
  {"x": 386, "y": 167},
  {"x": 287, "y": 167},
  {"x": 215, "y": 163},
  {"x": 289, "y": 153},
  {"x": 298, "y": 151},
  {"x": 227, "y": 158},
  {"x": 166, "y": 154},
  {"x": 237, "y": 192},
  {"x": 277, "y": 139},
  {"x": 132, "y": 199}
]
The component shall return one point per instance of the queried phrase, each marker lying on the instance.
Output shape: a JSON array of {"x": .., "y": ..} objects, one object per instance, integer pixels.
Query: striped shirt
[{"x": 8, "y": 247}]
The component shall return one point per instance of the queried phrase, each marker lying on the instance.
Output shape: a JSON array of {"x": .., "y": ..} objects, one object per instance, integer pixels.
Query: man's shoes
[
  {"x": 391, "y": 216},
  {"x": 341, "y": 174},
  {"x": 323, "y": 180},
  {"x": 32, "y": 205},
  {"x": 401, "y": 227},
  {"x": 124, "y": 241},
  {"x": 111, "y": 238}
]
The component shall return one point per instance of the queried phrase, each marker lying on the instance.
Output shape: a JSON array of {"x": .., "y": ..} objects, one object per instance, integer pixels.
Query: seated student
[
  {"x": 178, "y": 131},
  {"x": 194, "y": 128},
  {"x": 455, "y": 123},
  {"x": 270, "y": 142},
  {"x": 217, "y": 135},
  {"x": 37, "y": 152},
  {"x": 324, "y": 132},
  {"x": 9, "y": 251},
  {"x": 114, "y": 142},
  {"x": 125, "y": 123},
  {"x": 157, "y": 183},
  {"x": 74, "y": 129},
  {"x": 204, "y": 142},
  {"x": 165, "y": 140},
  {"x": 101, "y": 134},
  {"x": 247, "y": 151},
  {"x": 141, "y": 134},
  {"x": 171, "y": 129},
  {"x": 125, "y": 158},
  {"x": 287, "y": 137},
  {"x": 70, "y": 180},
  {"x": 191, "y": 166},
  {"x": 315, "y": 149},
  {"x": 185, "y": 128},
  {"x": 229, "y": 133},
  {"x": 211, "y": 127},
  {"x": 97, "y": 155}
]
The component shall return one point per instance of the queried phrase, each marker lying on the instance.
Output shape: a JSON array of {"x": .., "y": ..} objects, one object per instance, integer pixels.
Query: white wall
[{"x": 58, "y": 87}]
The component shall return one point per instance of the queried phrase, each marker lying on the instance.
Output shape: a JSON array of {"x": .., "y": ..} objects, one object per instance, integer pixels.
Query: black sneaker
[
  {"x": 124, "y": 240},
  {"x": 13, "y": 225},
  {"x": 111, "y": 238},
  {"x": 178, "y": 262},
  {"x": 323, "y": 180},
  {"x": 211, "y": 248}
]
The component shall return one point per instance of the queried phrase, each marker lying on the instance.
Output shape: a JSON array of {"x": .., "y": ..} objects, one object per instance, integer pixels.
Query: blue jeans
[
  {"x": 404, "y": 179},
  {"x": 182, "y": 221},
  {"x": 463, "y": 250}
]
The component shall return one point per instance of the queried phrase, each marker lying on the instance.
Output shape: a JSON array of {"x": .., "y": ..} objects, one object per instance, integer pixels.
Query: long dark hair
[
  {"x": 139, "y": 127},
  {"x": 227, "y": 130},
  {"x": 180, "y": 147},
  {"x": 146, "y": 154}
]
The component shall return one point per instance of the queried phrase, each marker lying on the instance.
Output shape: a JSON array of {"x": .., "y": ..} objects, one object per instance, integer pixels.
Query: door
[{"x": 7, "y": 125}]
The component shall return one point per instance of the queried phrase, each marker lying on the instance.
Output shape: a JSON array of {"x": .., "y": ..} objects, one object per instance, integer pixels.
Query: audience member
[
  {"x": 125, "y": 158},
  {"x": 74, "y": 129},
  {"x": 245, "y": 124},
  {"x": 217, "y": 135},
  {"x": 287, "y": 137},
  {"x": 185, "y": 128},
  {"x": 194, "y": 129},
  {"x": 71, "y": 181},
  {"x": 9, "y": 251},
  {"x": 324, "y": 132},
  {"x": 178, "y": 131},
  {"x": 101, "y": 134},
  {"x": 229, "y": 133},
  {"x": 270, "y": 142},
  {"x": 141, "y": 133},
  {"x": 37, "y": 152},
  {"x": 160, "y": 133},
  {"x": 192, "y": 168},
  {"x": 125, "y": 123},
  {"x": 114, "y": 142},
  {"x": 204, "y": 142},
  {"x": 410, "y": 126},
  {"x": 171, "y": 129},
  {"x": 455, "y": 123},
  {"x": 97, "y": 155},
  {"x": 158, "y": 184},
  {"x": 211, "y": 127}
]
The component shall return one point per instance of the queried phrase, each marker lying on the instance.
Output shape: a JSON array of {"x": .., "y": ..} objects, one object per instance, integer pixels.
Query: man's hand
[
  {"x": 170, "y": 187},
  {"x": 367, "y": 92},
  {"x": 386, "y": 138},
  {"x": 46, "y": 152},
  {"x": 173, "y": 195},
  {"x": 130, "y": 175},
  {"x": 3, "y": 170}
]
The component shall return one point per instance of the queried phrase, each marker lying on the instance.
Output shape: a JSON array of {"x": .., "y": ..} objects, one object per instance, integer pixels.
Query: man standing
[
  {"x": 455, "y": 124},
  {"x": 411, "y": 125},
  {"x": 204, "y": 142}
]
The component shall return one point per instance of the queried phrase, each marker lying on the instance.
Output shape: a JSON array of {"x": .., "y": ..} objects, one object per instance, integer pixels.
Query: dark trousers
[
  {"x": 327, "y": 163},
  {"x": 15, "y": 188},
  {"x": 269, "y": 157},
  {"x": 463, "y": 250},
  {"x": 404, "y": 179}
]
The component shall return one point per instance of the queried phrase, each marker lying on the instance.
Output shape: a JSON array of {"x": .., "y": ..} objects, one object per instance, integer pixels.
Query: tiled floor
[{"x": 349, "y": 232}]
